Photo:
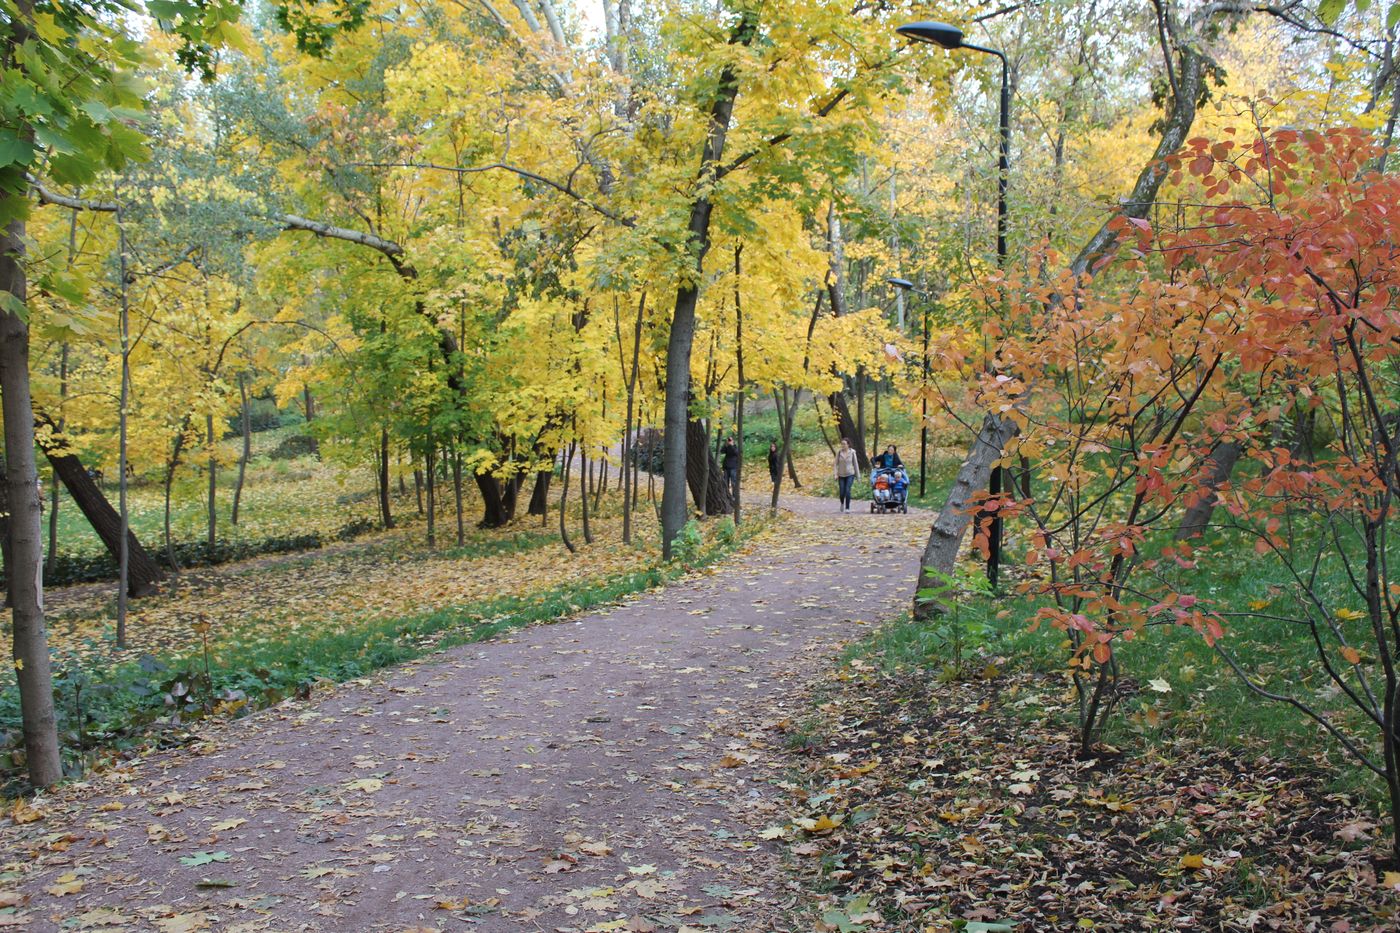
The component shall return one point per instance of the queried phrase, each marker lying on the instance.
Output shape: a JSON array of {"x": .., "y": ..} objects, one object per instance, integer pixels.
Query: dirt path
[{"x": 587, "y": 775}]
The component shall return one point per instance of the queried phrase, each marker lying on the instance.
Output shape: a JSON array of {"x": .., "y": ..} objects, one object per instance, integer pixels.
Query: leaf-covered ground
[
  {"x": 961, "y": 806},
  {"x": 599, "y": 774}
]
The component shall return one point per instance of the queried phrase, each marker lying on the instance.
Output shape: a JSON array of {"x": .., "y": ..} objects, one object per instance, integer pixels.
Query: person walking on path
[
  {"x": 775, "y": 463},
  {"x": 731, "y": 465},
  {"x": 847, "y": 472}
]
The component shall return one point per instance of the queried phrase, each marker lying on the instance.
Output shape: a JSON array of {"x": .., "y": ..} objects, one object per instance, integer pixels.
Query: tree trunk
[
  {"x": 431, "y": 463},
  {"x": 245, "y": 424},
  {"x": 498, "y": 505},
  {"x": 585, "y": 470},
  {"x": 539, "y": 497},
  {"x": 704, "y": 477},
  {"x": 212, "y": 541},
  {"x": 677, "y": 422},
  {"x": 457, "y": 497},
  {"x": 170, "y": 467},
  {"x": 24, "y": 557},
  {"x": 53, "y": 480},
  {"x": 418, "y": 488},
  {"x": 946, "y": 537},
  {"x": 739, "y": 362},
  {"x": 143, "y": 572},
  {"x": 846, "y": 427},
  {"x": 564, "y": 501},
  {"x": 386, "y": 517},
  {"x": 1217, "y": 469}
]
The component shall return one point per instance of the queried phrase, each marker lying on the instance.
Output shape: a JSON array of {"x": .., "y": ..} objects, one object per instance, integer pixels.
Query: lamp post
[
  {"x": 904, "y": 285},
  {"x": 951, "y": 37}
]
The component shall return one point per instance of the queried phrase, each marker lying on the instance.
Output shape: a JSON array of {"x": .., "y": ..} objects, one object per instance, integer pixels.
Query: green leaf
[
  {"x": 9, "y": 304},
  {"x": 1329, "y": 10},
  {"x": 978, "y": 926},
  {"x": 204, "y": 858},
  {"x": 13, "y": 150},
  {"x": 1392, "y": 16}
]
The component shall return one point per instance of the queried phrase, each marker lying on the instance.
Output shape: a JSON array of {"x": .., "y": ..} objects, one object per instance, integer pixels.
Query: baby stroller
[{"x": 888, "y": 490}]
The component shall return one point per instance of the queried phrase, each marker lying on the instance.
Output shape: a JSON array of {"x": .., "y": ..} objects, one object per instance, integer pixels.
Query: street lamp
[
  {"x": 951, "y": 37},
  {"x": 908, "y": 286}
]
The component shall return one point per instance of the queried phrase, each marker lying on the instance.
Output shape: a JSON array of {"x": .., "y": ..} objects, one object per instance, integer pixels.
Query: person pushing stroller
[{"x": 889, "y": 483}]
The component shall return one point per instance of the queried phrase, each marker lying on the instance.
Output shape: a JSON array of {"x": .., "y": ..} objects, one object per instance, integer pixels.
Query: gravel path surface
[{"x": 609, "y": 772}]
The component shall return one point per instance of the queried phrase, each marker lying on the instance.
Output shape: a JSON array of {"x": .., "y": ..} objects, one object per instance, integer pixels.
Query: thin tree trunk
[
  {"x": 431, "y": 464},
  {"x": 170, "y": 466},
  {"x": 386, "y": 516},
  {"x": 457, "y": 497},
  {"x": 585, "y": 470},
  {"x": 24, "y": 557},
  {"x": 739, "y": 361},
  {"x": 418, "y": 488},
  {"x": 564, "y": 501},
  {"x": 213, "y": 487},
  {"x": 62, "y": 422},
  {"x": 246, "y": 425}
]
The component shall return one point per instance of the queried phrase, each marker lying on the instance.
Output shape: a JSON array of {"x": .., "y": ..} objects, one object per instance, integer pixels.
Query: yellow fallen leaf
[
  {"x": 224, "y": 826},
  {"x": 112, "y": 806},
  {"x": 1193, "y": 861},
  {"x": 1391, "y": 880},
  {"x": 66, "y": 884},
  {"x": 368, "y": 785},
  {"x": 23, "y": 813}
]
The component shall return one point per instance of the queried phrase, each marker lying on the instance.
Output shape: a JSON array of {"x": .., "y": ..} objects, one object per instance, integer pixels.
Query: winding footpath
[{"x": 602, "y": 773}]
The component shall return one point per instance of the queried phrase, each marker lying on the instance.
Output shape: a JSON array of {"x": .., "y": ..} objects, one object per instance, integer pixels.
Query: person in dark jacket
[
  {"x": 775, "y": 463},
  {"x": 888, "y": 460},
  {"x": 730, "y": 453}
]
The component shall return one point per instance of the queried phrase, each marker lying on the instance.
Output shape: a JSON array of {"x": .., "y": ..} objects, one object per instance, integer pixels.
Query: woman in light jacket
[{"x": 847, "y": 472}]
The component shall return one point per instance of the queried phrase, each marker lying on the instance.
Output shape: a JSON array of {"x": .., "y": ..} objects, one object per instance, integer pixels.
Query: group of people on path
[{"x": 848, "y": 468}]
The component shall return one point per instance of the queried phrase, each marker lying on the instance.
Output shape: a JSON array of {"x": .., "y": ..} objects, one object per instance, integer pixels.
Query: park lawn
[{"x": 281, "y": 498}]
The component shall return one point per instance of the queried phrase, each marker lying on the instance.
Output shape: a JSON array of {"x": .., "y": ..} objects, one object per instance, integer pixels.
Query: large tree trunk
[
  {"x": 497, "y": 501},
  {"x": 847, "y": 427},
  {"x": 539, "y": 497},
  {"x": 143, "y": 572},
  {"x": 946, "y": 535},
  {"x": 703, "y": 475},
  {"x": 1216, "y": 472},
  {"x": 673, "y": 510},
  {"x": 25, "y": 554}
]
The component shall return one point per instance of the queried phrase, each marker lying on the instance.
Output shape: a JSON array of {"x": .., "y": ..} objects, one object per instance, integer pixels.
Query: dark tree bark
[
  {"x": 25, "y": 532},
  {"x": 564, "y": 501},
  {"x": 245, "y": 423},
  {"x": 497, "y": 501},
  {"x": 386, "y": 517},
  {"x": 585, "y": 471},
  {"x": 143, "y": 571},
  {"x": 539, "y": 497},
  {"x": 418, "y": 488},
  {"x": 457, "y": 497},
  {"x": 431, "y": 464},
  {"x": 1215, "y": 473},
  {"x": 54, "y": 499},
  {"x": 213, "y": 490},
  {"x": 847, "y": 427},
  {"x": 704, "y": 477}
]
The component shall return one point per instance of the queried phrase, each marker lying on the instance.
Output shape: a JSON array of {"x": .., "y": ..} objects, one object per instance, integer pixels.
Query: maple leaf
[{"x": 203, "y": 858}]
